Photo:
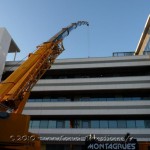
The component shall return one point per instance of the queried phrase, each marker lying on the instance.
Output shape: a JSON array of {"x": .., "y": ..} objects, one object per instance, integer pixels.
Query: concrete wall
[
  {"x": 5, "y": 40},
  {"x": 104, "y": 83},
  {"x": 140, "y": 134},
  {"x": 82, "y": 63},
  {"x": 88, "y": 108}
]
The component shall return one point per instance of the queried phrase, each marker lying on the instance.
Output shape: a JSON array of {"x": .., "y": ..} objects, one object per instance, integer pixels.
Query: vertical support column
[
  {"x": 15, "y": 55},
  {"x": 5, "y": 40}
]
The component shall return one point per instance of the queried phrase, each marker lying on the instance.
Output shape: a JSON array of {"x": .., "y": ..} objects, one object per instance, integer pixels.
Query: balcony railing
[{"x": 118, "y": 54}]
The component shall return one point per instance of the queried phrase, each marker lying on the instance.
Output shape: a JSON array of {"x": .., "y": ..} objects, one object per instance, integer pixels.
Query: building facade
[{"x": 107, "y": 97}]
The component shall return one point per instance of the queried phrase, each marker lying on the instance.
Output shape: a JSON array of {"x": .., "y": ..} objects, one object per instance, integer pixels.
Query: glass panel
[
  {"x": 147, "y": 48},
  {"x": 130, "y": 123},
  {"x": 140, "y": 124},
  {"x": 110, "y": 99},
  {"x": 112, "y": 124},
  {"x": 122, "y": 124},
  {"x": 30, "y": 125},
  {"x": 60, "y": 124},
  {"x": 54, "y": 100},
  {"x": 102, "y": 99},
  {"x": 35, "y": 124},
  {"x": 68, "y": 100},
  {"x": 103, "y": 124},
  {"x": 94, "y": 99},
  {"x": 44, "y": 124},
  {"x": 85, "y": 124},
  {"x": 38, "y": 100},
  {"x": 46, "y": 99},
  {"x": 77, "y": 124},
  {"x": 85, "y": 99},
  {"x": 127, "y": 98},
  {"x": 136, "y": 98},
  {"x": 52, "y": 124},
  {"x": 61, "y": 99},
  {"x": 67, "y": 124},
  {"x": 95, "y": 124},
  {"x": 30, "y": 100},
  {"x": 147, "y": 123},
  {"x": 119, "y": 99},
  {"x": 146, "y": 98}
]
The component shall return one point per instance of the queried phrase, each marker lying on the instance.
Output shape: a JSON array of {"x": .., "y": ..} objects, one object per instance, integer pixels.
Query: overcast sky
[{"x": 115, "y": 25}]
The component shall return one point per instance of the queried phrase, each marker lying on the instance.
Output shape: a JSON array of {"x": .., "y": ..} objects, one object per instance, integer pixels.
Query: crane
[{"x": 15, "y": 91}]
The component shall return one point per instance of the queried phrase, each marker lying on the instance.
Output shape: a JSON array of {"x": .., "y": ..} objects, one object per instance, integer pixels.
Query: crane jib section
[{"x": 15, "y": 90}]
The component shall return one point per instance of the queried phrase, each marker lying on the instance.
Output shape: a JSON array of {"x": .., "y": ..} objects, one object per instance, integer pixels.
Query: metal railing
[{"x": 118, "y": 54}]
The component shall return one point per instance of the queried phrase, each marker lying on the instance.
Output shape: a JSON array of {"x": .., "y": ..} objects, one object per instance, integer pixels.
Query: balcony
[{"x": 82, "y": 84}]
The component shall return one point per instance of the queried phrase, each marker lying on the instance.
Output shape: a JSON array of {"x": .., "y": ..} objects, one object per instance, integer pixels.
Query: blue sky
[{"x": 115, "y": 25}]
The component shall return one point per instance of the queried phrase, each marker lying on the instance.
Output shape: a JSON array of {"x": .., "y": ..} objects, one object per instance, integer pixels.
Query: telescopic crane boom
[{"x": 15, "y": 90}]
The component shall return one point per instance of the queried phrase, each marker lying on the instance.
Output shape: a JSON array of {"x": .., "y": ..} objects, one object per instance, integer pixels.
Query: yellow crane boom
[{"x": 15, "y": 90}]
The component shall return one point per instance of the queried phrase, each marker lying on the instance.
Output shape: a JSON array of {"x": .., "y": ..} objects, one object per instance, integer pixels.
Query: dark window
[
  {"x": 110, "y": 99},
  {"x": 130, "y": 123},
  {"x": 103, "y": 124},
  {"x": 140, "y": 123},
  {"x": 102, "y": 99},
  {"x": 95, "y": 124},
  {"x": 122, "y": 124},
  {"x": 67, "y": 124},
  {"x": 44, "y": 124},
  {"x": 52, "y": 124},
  {"x": 35, "y": 123},
  {"x": 85, "y": 124},
  {"x": 60, "y": 124},
  {"x": 30, "y": 125},
  {"x": 147, "y": 123},
  {"x": 112, "y": 124},
  {"x": 46, "y": 99}
]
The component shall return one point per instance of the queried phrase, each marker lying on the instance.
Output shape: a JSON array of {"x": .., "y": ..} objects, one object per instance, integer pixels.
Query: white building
[{"x": 108, "y": 97}]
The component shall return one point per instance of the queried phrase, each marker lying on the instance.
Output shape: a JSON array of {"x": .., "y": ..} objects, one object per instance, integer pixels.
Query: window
[
  {"x": 52, "y": 124},
  {"x": 94, "y": 99},
  {"x": 54, "y": 100},
  {"x": 60, "y": 124},
  {"x": 30, "y": 100},
  {"x": 85, "y": 99},
  {"x": 110, "y": 99},
  {"x": 68, "y": 100},
  {"x": 122, "y": 124},
  {"x": 136, "y": 98},
  {"x": 61, "y": 99},
  {"x": 147, "y": 48},
  {"x": 102, "y": 99},
  {"x": 77, "y": 124},
  {"x": 38, "y": 100},
  {"x": 140, "y": 124},
  {"x": 30, "y": 125},
  {"x": 67, "y": 124},
  {"x": 35, "y": 124},
  {"x": 118, "y": 98},
  {"x": 147, "y": 123},
  {"x": 130, "y": 123},
  {"x": 44, "y": 124},
  {"x": 146, "y": 98},
  {"x": 112, "y": 124},
  {"x": 46, "y": 100},
  {"x": 95, "y": 124},
  {"x": 127, "y": 98},
  {"x": 103, "y": 124},
  {"x": 85, "y": 124}
]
